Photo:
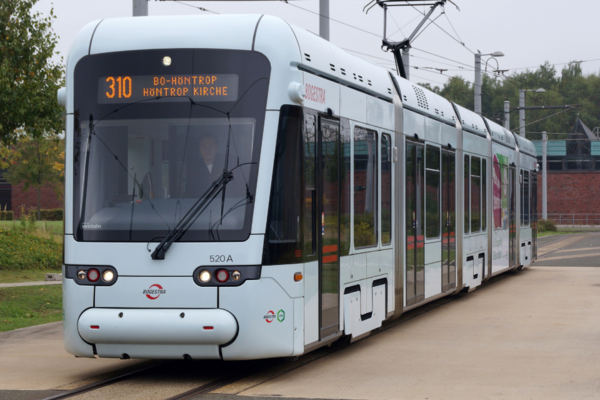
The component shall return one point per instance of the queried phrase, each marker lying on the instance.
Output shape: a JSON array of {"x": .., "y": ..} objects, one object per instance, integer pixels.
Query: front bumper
[{"x": 212, "y": 327}]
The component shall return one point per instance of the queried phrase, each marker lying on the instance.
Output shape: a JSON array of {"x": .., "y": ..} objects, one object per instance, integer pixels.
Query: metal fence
[{"x": 574, "y": 219}]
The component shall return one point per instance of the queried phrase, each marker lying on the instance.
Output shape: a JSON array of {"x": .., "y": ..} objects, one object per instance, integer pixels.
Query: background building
[{"x": 573, "y": 177}]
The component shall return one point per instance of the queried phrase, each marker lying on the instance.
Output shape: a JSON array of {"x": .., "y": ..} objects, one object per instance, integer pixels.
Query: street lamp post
[
  {"x": 324, "y": 19},
  {"x": 522, "y": 105},
  {"x": 477, "y": 85},
  {"x": 140, "y": 8},
  {"x": 507, "y": 115}
]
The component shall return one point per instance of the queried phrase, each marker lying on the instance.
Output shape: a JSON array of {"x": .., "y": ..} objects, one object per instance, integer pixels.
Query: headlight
[
  {"x": 81, "y": 274},
  {"x": 204, "y": 276},
  {"x": 108, "y": 276}
]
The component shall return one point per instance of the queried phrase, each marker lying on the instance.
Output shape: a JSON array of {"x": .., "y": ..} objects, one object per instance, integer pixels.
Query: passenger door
[
  {"x": 448, "y": 221},
  {"x": 415, "y": 208},
  {"x": 328, "y": 237}
]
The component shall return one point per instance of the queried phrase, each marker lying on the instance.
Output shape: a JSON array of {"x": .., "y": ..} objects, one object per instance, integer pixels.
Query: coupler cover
[{"x": 157, "y": 326}]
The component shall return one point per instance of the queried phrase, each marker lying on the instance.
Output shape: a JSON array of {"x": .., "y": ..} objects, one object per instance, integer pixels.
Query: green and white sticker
[{"x": 280, "y": 315}]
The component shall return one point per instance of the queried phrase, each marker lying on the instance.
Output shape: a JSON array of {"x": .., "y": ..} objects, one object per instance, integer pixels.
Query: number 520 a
[{"x": 221, "y": 258}]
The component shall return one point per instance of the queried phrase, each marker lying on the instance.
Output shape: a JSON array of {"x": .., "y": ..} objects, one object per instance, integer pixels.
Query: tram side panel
[
  {"x": 367, "y": 147},
  {"x": 363, "y": 266},
  {"x": 432, "y": 140},
  {"x": 476, "y": 162}
]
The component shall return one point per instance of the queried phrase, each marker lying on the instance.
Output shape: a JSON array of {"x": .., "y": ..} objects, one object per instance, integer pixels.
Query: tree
[
  {"x": 568, "y": 86},
  {"x": 459, "y": 91},
  {"x": 36, "y": 162},
  {"x": 28, "y": 78}
]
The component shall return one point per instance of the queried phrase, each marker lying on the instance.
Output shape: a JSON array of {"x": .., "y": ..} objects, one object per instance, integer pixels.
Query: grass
[
  {"x": 45, "y": 229},
  {"x": 25, "y": 275},
  {"x": 21, "y": 307}
]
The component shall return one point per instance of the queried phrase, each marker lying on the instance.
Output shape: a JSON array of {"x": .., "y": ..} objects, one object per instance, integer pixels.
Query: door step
[{"x": 358, "y": 325}]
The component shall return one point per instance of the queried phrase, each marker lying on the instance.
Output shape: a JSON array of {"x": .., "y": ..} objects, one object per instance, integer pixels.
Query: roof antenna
[{"x": 397, "y": 47}]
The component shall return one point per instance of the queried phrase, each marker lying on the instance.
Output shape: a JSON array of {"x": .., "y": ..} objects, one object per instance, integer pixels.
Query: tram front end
[{"x": 171, "y": 131}]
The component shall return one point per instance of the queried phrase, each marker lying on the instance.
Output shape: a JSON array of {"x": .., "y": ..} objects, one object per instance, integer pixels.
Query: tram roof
[
  {"x": 525, "y": 146},
  {"x": 500, "y": 134}
]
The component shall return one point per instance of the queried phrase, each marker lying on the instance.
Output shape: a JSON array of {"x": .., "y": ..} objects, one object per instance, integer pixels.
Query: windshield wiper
[{"x": 190, "y": 217}]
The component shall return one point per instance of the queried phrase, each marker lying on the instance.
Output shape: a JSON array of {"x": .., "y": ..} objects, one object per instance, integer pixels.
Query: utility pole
[
  {"x": 544, "y": 176},
  {"x": 521, "y": 113},
  {"x": 478, "y": 82},
  {"x": 140, "y": 8},
  {"x": 507, "y": 115},
  {"x": 324, "y": 19},
  {"x": 477, "y": 85},
  {"x": 522, "y": 107}
]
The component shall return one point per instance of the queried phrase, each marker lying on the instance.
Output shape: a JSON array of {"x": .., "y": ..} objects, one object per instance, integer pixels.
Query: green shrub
[
  {"x": 6, "y": 215},
  {"x": 20, "y": 250},
  {"x": 51, "y": 215},
  {"x": 45, "y": 215},
  {"x": 545, "y": 225}
]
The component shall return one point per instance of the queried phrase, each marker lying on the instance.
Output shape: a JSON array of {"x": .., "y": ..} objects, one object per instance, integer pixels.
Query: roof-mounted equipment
[{"x": 397, "y": 47}]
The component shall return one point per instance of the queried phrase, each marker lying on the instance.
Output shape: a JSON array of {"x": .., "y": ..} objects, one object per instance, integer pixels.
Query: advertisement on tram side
[
  {"x": 500, "y": 188},
  {"x": 500, "y": 207}
]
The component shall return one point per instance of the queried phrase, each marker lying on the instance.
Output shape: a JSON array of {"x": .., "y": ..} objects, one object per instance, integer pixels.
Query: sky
[{"x": 528, "y": 32}]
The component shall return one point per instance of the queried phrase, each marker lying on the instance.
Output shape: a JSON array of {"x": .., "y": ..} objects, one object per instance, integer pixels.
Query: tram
[{"x": 239, "y": 188}]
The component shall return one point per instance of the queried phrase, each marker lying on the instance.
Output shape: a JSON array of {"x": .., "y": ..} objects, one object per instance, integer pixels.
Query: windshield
[{"x": 150, "y": 139}]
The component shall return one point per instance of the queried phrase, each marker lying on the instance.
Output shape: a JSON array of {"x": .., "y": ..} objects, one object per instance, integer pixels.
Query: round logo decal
[
  {"x": 269, "y": 317},
  {"x": 154, "y": 291}
]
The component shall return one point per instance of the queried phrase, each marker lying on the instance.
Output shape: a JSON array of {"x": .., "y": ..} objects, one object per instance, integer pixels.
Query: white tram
[{"x": 239, "y": 188}]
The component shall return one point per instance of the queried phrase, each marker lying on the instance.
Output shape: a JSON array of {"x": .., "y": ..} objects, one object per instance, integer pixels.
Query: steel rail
[
  {"x": 219, "y": 383},
  {"x": 100, "y": 384},
  {"x": 562, "y": 247}
]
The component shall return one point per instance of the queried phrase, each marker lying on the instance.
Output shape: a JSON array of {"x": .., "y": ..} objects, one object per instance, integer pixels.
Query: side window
[
  {"x": 467, "y": 171},
  {"x": 526, "y": 197},
  {"x": 483, "y": 195},
  {"x": 310, "y": 194},
  {"x": 386, "y": 189},
  {"x": 284, "y": 244},
  {"x": 365, "y": 187},
  {"x": 475, "y": 194},
  {"x": 432, "y": 192},
  {"x": 345, "y": 190}
]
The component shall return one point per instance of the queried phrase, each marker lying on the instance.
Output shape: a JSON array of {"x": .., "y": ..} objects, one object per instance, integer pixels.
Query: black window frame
[{"x": 390, "y": 186}]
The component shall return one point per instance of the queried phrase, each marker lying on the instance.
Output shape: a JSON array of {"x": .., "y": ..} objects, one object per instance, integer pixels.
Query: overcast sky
[{"x": 528, "y": 32}]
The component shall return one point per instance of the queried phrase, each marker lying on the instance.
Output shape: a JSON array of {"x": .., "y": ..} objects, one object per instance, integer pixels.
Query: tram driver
[{"x": 208, "y": 168}]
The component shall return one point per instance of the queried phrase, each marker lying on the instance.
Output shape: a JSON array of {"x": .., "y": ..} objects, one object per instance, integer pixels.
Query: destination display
[{"x": 198, "y": 87}]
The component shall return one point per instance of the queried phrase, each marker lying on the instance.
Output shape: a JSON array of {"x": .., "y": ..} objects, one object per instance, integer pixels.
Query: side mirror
[{"x": 61, "y": 96}]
